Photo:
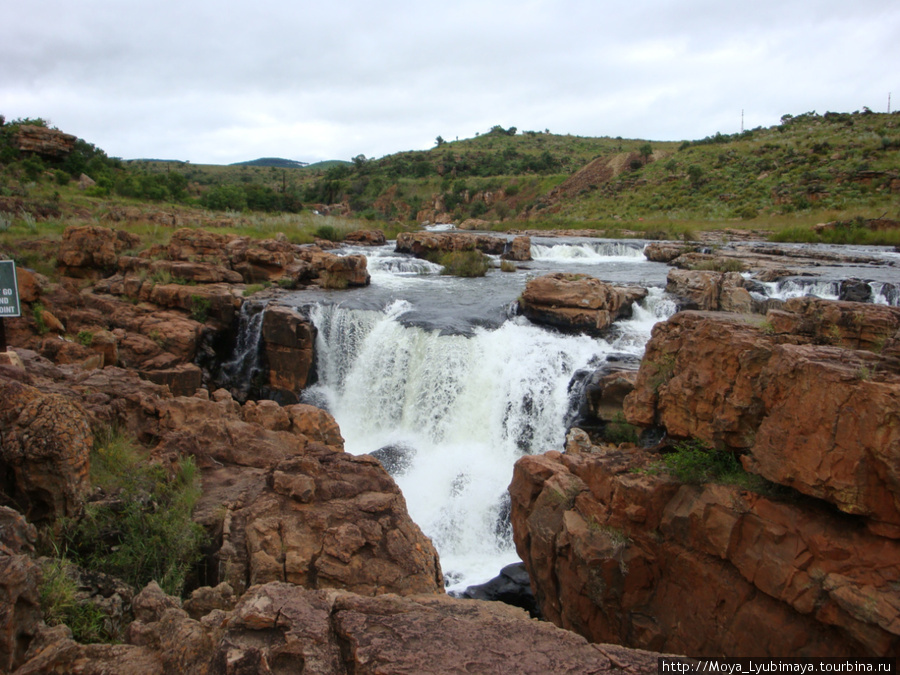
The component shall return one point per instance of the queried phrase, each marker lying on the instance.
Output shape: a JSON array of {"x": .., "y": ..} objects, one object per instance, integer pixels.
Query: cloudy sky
[{"x": 220, "y": 81}]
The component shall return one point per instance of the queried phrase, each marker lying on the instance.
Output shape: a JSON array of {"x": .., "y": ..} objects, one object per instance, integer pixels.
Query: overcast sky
[{"x": 221, "y": 82}]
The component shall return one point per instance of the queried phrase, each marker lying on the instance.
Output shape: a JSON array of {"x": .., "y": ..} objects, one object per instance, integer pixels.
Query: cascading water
[
  {"x": 587, "y": 252},
  {"x": 239, "y": 371},
  {"x": 460, "y": 409}
]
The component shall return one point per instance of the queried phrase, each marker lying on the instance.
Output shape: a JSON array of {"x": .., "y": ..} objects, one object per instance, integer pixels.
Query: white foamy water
[
  {"x": 586, "y": 252},
  {"x": 468, "y": 407}
]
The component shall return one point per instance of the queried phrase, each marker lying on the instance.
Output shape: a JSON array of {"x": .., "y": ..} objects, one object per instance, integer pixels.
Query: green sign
[{"x": 9, "y": 291}]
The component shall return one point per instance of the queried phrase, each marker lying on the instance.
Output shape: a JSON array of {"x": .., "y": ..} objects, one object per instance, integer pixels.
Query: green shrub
[
  {"x": 328, "y": 232},
  {"x": 85, "y": 338},
  {"x": 141, "y": 529},
  {"x": 465, "y": 263},
  {"x": 696, "y": 462},
  {"x": 619, "y": 431},
  {"x": 200, "y": 308},
  {"x": 37, "y": 311},
  {"x": 61, "y": 605},
  {"x": 507, "y": 266}
]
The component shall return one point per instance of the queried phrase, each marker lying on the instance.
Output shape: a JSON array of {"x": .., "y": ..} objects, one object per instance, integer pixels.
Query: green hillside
[{"x": 809, "y": 168}]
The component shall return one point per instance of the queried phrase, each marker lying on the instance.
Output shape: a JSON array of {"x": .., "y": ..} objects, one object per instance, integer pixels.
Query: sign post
[{"x": 9, "y": 297}]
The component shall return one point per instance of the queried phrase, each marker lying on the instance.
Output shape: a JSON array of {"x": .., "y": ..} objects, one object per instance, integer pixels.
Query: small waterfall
[
  {"x": 798, "y": 287},
  {"x": 587, "y": 252},
  {"x": 239, "y": 371},
  {"x": 455, "y": 412},
  {"x": 885, "y": 294}
]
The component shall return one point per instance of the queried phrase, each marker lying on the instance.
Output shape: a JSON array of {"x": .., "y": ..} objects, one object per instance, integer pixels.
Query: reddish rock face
[
  {"x": 641, "y": 560},
  {"x": 577, "y": 303},
  {"x": 622, "y": 554},
  {"x": 519, "y": 249},
  {"x": 821, "y": 420},
  {"x": 366, "y": 238}
]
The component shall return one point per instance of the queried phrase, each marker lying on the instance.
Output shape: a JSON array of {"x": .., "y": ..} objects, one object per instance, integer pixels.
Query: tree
[
  {"x": 439, "y": 141},
  {"x": 646, "y": 150}
]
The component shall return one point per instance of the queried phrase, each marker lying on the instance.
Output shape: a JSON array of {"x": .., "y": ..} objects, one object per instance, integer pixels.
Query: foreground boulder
[
  {"x": 577, "y": 303},
  {"x": 279, "y": 627}
]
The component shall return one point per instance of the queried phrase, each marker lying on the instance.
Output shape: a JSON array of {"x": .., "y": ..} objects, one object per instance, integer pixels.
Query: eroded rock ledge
[{"x": 809, "y": 399}]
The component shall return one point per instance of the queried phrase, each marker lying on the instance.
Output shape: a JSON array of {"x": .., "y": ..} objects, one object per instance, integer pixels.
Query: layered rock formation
[
  {"x": 280, "y": 627},
  {"x": 804, "y": 563},
  {"x": 50, "y": 143},
  {"x": 577, "y": 302},
  {"x": 422, "y": 244}
]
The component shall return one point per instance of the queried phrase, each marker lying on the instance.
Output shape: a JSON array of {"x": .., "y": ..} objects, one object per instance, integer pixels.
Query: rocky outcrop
[
  {"x": 423, "y": 244},
  {"x": 519, "y": 249},
  {"x": 620, "y": 554},
  {"x": 45, "y": 443},
  {"x": 365, "y": 238},
  {"x": 91, "y": 251},
  {"x": 38, "y": 140},
  {"x": 288, "y": 343},
  {"x": 717, "y": 291},
  {"x": 667, "y": 251},
  {"x": 577, "y": 302},
  {"x": 803, "y": 558},
  {"x": 279, "y": 627}
]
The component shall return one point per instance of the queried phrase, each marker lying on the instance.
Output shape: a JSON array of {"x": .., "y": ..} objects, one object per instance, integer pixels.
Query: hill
[
  {"x": 809, "y": 168},
  {"x": 277, "y": 162}
]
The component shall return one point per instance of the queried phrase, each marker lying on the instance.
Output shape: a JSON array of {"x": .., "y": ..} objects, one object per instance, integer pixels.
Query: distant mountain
[
  {"x": 327, "y": 164},
  {"x": 273, "y": 161}
]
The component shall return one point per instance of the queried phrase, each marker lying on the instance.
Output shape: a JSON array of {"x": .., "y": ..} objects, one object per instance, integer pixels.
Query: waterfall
[
  {"x": 238, "y": 373},
  {"x": 587, "y": 252},
  {"x": 459, "y": 410}
]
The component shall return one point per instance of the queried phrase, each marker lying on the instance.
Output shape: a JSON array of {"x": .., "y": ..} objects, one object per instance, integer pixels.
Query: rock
[
  {"x": 421, "y": 244},
  {"x": 365, "y": 238},
  {"x": 210, "y": 302},
  {"x": 812, "y": 418},
  {"x": 92, "y": 251},
  {"x": 288, "y": 344},
  {"x": 29, "y": 284},
  {"x": 577, "y": 303},
  {"x": 49, "y": 143},
  {"x": 511, "y": 586},
  {"x": 846, "y": 324},
  {"x": 621, "y": 554},
  {"x": 44, "y": 454},
  {"x": 518, "y": 249},
  {"x": 334, "y": 271},
  {"x": 193, "y": 244},
  {"x": 665, "y": 252},
  {"x": 396, "y": 459},
  {"x": 703, "y": 290},
  {"x": 855, "y": 290},
  {"x": 20, "y": 611},
  {"x": 182, "y": 380},
  {"x": 204, "y": 600}
]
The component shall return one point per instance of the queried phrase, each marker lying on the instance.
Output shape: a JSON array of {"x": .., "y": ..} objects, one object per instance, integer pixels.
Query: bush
[
  {"x": 140, "y": 529},
  {"x": 60, "y": 605},
  {"x": 465, "y": 263}
]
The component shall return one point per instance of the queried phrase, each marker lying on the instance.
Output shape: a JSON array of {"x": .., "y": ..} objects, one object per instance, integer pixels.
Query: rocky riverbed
[{"x": 313, "y": 561}]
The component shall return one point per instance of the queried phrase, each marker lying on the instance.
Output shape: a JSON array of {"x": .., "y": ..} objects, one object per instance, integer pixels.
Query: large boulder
[
  {"x": 20, "y": 575},
  {"x": 577, "y": 302},
  {"x": 288, "y": 504},
  {"x": 44, "y": 451}
]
